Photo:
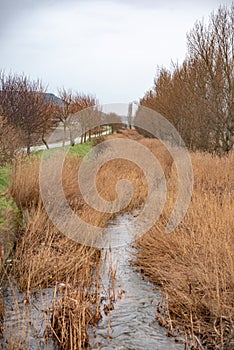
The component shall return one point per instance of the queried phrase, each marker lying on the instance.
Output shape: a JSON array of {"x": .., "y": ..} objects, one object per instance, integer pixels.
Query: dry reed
[
  {"x": 45, "y": 257},
  {"x": 194, "y": 266}
]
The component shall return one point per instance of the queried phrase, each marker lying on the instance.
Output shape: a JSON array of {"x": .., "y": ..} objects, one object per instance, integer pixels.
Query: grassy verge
[
  {"x": 78, "y": 150},
  {"x": 4, "y": 203},
  {"x": 4, "y": 170},
  {"x": 8, "y": 214}
]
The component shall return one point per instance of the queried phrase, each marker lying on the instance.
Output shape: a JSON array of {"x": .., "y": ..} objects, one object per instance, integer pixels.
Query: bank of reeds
[
  {"x": 45, "y": 257},
  {"x": 194, "y": 265}
]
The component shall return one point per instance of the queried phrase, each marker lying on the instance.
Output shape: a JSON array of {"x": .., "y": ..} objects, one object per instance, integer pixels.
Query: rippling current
[{"x": 131, "y": 325}]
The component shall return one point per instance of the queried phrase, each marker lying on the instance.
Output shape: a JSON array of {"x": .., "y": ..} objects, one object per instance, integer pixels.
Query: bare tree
[
  {"x": 116, "y": 121},
  {"x": 197, "y": 97},
  {"x": 24, "y": 105},
  {"x": 64, "y": 110},
  {"x": 89, "y": 116},
  {"x": 10, "y": 141},
  {"x": 213, "y": 46},
  {"x": 71, "y": 104}
]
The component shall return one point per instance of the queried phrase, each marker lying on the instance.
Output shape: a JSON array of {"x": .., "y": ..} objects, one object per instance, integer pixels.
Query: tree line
[
  {"x": 28, "y": 114},
  {"x": 197, "y": 96}
]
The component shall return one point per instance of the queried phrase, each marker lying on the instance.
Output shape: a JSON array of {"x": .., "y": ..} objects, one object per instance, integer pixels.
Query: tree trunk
[
  {"x": 45, "y": 143},
  {"x": 72, "y": 142},
  {"x": 64, "y": 132}
]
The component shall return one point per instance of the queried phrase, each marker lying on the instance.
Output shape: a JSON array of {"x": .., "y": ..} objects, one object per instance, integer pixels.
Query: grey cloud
[{"x": 11, "y": 10}]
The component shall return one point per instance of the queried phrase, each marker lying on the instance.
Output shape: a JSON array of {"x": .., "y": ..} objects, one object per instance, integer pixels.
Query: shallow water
[
  {"x": 130, "y": 325},
  {"x": 25, "y": 323}
]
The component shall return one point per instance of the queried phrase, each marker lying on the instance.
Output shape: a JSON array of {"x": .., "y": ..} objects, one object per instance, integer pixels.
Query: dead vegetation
[
  {"x": 44, "y": 257},
  {"x": 194, "y": 266}
]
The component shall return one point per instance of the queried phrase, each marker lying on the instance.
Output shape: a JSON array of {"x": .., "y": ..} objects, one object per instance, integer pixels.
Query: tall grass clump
[
  {"x": 194, "y": 265},
  {"x": 44, "y": 257}
]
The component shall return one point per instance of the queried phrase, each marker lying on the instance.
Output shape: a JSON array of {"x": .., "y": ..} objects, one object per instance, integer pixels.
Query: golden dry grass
[
  {"x": 45, "y": 257},
  {"x": 26, "y": 193},
  {"x": 126, "y": 133},
  {"x": 194, "y": 265},
  {"x": 161, "y": 153}
]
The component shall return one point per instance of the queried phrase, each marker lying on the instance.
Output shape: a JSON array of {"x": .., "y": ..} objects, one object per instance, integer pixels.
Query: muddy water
[{"x": 132, "y": 324}]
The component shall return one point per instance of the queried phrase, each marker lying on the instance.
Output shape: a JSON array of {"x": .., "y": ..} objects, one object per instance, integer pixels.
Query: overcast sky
[{"x": 108, "y": 48}]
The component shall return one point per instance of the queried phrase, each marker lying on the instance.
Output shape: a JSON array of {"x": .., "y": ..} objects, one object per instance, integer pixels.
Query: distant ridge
[
  {"x": 53, "y": 98},
  {"x": 48, "y": 97}
]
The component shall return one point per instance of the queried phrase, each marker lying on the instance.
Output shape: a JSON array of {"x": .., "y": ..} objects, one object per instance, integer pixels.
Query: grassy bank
[
  {"x": 4, "y": 203},
  {"x": 9, "y": 214},
  {"x": 78, "y": 150},
  {"x": 194, "y": 266}
]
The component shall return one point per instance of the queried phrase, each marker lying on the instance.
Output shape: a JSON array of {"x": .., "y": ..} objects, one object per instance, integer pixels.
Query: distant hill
[
  {"x": 48, "y": 96},
  {"x": 53, "y": 98}
]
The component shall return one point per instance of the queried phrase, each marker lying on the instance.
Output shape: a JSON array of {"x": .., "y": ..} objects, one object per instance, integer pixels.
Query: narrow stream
[{"x": 130, "y": 325}]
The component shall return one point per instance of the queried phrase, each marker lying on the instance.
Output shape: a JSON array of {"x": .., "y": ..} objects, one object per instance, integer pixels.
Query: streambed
[{"x": 131, "y": 325}]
